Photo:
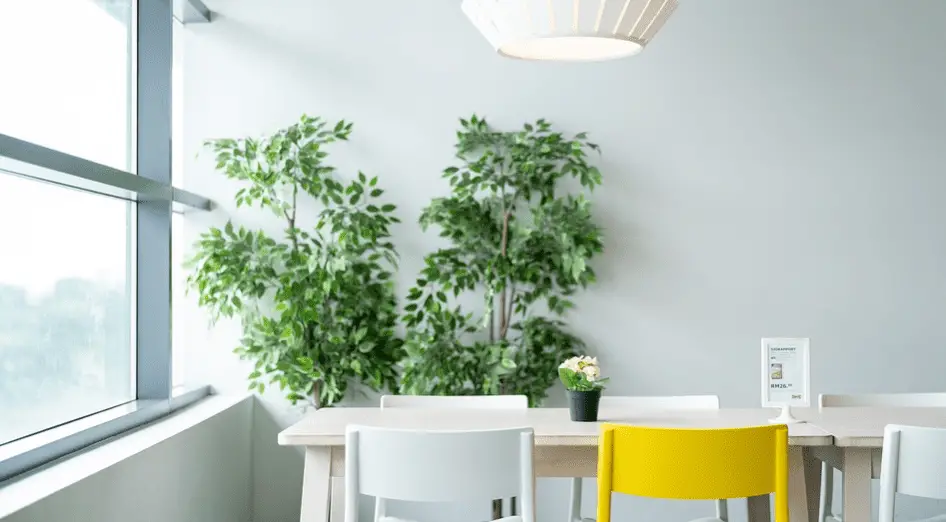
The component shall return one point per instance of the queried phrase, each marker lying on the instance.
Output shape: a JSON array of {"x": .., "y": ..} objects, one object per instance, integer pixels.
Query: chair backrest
[
  {"x": 896, "y": 400},
  {"x": 693, "y": 464},
  {"x": 680, "y": 402},
  {"x": 914, "y": 463},
  {"x": 455, "y": 401},
  {"x": 439, "y": 466}
]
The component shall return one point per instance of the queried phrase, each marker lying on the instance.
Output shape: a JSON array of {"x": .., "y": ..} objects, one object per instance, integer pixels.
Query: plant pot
[{"x": 583, "y": 405}]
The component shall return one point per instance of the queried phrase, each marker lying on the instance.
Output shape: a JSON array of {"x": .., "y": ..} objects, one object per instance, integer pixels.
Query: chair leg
[
  {"x": 513, "y": 507},
  {"x": 827, "y": 492},
  {"x": 722, "y": 510},
  {"x": 380, "y": 509},
  {"x": 497, "y": 509},
  {"x": 839, "y": 516},
  {"x": 574, "y": 501}
]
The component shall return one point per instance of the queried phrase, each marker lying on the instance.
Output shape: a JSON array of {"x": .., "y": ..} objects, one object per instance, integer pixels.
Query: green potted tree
[
  {"x": 317, "y": 304},
  {"x": 521, "y": 243}
]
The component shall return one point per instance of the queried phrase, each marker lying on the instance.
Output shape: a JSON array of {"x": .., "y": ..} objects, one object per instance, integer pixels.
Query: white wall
[
  {"x": 770, "y": 169},
  {"x": 201, "y": 474}
]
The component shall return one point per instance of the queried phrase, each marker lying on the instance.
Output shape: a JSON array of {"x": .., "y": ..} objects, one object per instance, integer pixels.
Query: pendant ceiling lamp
[{"x": 569, "y": 30}]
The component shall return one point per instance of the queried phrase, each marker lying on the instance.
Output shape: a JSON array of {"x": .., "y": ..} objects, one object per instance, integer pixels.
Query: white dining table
[
  {"x": 563, "y": 448},
  {"x": 858, "y": 435}
]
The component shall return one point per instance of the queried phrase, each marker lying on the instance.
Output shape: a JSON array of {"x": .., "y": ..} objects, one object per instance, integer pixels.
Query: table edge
[
  {"x": 549, "y": 440},
  {"x": 859, "y": 442}
]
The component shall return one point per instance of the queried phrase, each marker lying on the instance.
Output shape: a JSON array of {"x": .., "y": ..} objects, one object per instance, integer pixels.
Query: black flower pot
[{"x": 583, "y": 405}]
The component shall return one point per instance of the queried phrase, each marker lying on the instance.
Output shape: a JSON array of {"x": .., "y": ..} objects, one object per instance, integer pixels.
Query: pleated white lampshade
[{"x": 569, "y": 30}]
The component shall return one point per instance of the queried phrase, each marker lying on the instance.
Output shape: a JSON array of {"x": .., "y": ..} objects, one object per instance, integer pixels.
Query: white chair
[
  {"x": 893, "y": 400},
  {"x": 460, "y": 402},
  {"x": 438, "y": 466},
  {"x": 914, "y": 463},
  {"x": 632, "y": 404}
]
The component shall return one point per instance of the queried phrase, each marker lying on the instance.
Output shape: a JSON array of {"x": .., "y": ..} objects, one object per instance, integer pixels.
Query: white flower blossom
[
  {"x": 591, "y": 372},
  {"x": 587, "y": 366},
  {"x": 582, "y": 373}
]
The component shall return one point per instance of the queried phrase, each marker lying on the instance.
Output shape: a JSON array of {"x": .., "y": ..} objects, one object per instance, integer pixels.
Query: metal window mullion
[
  {"x": 131, "y": 211},
  {"x": 153, "y": 307},
  {"x": 32, "y": 161}
]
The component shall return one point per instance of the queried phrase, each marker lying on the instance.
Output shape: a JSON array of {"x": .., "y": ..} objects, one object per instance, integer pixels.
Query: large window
[
  {"x": 65, "y": 305},
  {"x": 65, "y": 271},
  {"x": 86, "y": 224}
]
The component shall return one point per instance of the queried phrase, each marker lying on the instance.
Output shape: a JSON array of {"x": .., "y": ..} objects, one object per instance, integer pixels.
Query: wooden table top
[
  {"x": 863, "y": 427},
  {"x": 552, "y": 425}
]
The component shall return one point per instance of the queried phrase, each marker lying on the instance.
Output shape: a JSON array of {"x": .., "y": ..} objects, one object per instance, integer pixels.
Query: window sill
[
  {"x": 28, "y": 453},
  {"x": 40, "y": 483}
]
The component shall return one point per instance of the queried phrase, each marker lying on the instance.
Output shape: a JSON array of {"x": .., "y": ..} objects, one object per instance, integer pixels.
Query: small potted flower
[{"x": 583, "y": 383}]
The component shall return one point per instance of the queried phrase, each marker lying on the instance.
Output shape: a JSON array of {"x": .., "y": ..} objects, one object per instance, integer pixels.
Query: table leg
[
  {"x": 316, "y": 484},
  {"x": 804, "y": 484},
  {"x": 337, "y": 506},
  {"x": 856, "y": 493},
  {"x": 759, "y": 508}
]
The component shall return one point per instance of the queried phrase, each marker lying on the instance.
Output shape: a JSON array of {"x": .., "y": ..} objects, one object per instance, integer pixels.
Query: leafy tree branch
[
  {"x": 520, "y": 240},
  {"x": 318, "y": 306}
]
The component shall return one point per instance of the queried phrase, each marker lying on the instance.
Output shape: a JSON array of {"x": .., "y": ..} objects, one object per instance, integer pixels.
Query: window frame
[{"x": 155, "y": 199}]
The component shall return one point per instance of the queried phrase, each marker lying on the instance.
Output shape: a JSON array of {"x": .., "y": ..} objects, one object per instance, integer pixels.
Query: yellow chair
[{"x": 693, "y": 464}]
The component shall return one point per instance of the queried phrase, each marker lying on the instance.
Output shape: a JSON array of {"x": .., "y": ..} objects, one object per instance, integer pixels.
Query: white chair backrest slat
[
  {"x": 682, "y": 402},
  {"x": 439, "y": 466},
  {"x": 914, "y": 463},
  {"x": 455, "y": 401},
  {"x": 893, "y": 400}
]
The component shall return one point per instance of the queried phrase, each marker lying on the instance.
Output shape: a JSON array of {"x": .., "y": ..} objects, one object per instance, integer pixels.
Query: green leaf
[{"x": 361, "y": 333}]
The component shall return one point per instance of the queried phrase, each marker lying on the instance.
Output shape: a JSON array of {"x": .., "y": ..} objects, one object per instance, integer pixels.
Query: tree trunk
[
  {"x": 503, "y": 316},
  {"x": 316, "y": 398}
]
